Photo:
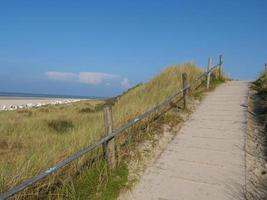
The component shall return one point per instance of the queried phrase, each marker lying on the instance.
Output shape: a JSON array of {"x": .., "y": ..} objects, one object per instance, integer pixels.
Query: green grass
[
  {"x": 260, "y": 85},
  {"x": 95, "y": 183},
  {"x": 34, "y": 139}
]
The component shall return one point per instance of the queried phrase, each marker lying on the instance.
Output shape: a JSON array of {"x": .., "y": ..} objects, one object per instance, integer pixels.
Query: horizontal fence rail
[{"x": 30, "y": 182}]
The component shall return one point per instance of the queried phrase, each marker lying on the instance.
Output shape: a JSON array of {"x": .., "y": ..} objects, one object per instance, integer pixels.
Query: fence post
[
  {"x": 221, "y": 67},
  {"x": 109, "y": 146},
  {"x": 265, "y": 65},
  {"x": 185, "y": 92},
  {"x": 208, "y": 74}
]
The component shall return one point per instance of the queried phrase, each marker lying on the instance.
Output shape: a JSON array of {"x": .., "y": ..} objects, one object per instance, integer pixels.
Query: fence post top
[
  {"x": 221, "y": 58},
  {"x": 107, "y": 105},
  {"x": 184, "y": 75},
  {"x": 209, "y": 60}
]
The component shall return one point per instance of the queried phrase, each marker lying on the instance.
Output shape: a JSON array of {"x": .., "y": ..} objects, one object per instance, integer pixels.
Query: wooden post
[
  {"x": 208, "y": 75},
  {"x": 265, "y": 65},
  {"x": 109, "y": 147},
  {"x": 185, "y": 92},
  {"x": 221, "y": 66}
]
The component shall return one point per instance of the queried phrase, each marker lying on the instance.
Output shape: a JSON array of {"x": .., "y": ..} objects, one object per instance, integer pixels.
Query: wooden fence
[{"x": 108, "y": 141}]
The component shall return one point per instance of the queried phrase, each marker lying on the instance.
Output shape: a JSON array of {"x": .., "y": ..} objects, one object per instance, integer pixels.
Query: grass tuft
[
  {"x": 96, "y": 183},
  {"x": 87, "y": 110},
  {"x": 60, "y": 125},
  {"x": 25, "y": 112}
]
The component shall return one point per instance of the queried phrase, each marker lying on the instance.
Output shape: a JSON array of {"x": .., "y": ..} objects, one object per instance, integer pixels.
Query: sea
[{"x": 17, "y": 94}]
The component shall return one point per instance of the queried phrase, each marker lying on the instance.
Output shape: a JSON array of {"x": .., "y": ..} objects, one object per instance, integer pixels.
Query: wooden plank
[
  {"x": 185, "y": 92},
  {"x": 208, "y": 75},
  {"x": 220, "y": 66},
  {"x": 109, "y": 146}
]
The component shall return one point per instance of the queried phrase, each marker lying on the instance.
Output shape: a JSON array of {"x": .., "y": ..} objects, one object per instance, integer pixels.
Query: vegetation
[
  {"x": 34, "y": 139},
  {"x": 261, "y": 83},
  {"x": 258, "y": 109},
  {"x": 96, "y": 183}
]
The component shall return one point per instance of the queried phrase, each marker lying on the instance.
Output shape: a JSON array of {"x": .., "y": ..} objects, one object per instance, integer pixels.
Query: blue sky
[{"x": 100, "y": 48}]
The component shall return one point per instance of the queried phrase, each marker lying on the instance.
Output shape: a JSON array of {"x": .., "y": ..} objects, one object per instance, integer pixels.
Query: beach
[{"x": 13, "y": 103}]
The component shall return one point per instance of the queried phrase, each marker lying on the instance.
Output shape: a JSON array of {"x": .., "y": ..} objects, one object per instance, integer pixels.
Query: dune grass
[
  {"x": 34, "y": 139},
  {"x": 258, "y": 182},
  {"x": 261, "y": 83}
]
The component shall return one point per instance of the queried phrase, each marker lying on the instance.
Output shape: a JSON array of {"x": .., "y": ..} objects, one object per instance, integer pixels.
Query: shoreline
[
  {"x": 41, "y": 96},
  {"x": 14, "y": 103}
]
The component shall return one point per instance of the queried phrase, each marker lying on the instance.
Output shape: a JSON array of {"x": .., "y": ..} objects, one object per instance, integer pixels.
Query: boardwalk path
[{"x": 206, "y": 159}]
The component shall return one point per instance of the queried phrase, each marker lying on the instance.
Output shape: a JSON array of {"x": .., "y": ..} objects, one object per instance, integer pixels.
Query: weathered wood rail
[{"x": 108, "y": 141}]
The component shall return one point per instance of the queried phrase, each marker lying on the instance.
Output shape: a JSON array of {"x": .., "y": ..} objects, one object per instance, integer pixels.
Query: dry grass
[{"x": 34, "y": 139}]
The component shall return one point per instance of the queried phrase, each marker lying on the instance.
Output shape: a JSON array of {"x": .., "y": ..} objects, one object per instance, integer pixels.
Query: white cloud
[
  {"x": 95, "y": 78},
  {"x": 125, "y": 83},
  {"x": 62, "y": 76},
  {"x": 91, "y": 78}
]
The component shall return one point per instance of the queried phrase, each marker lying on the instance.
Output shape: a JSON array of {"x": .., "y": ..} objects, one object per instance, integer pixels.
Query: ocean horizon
[{"x": 35, "y": 95}]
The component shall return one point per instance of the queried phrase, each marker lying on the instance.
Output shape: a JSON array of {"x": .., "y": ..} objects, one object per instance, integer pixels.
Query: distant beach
[
  {"x": 13, "y": 101},
  {"x": 25, "y": 100}
]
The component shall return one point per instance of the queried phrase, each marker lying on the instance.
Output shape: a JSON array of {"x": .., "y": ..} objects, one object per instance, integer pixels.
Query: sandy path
[{"x": 206, "y": 159}]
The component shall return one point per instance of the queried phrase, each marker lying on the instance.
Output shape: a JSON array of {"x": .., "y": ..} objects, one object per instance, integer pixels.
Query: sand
[
  {"x": 17, "y": 101},
  {"x": 7, "y": 102}
]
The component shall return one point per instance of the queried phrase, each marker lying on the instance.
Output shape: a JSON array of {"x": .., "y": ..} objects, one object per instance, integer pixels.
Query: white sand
[
  {"x": 17, "y": 101},
  {"x": 7, "y": 102}
]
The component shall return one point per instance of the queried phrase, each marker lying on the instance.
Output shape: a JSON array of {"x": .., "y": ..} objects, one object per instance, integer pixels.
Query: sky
[{"x": 101, "y": 48}]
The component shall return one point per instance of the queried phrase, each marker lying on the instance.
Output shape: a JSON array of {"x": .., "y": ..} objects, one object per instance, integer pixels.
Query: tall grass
[
  {"x": 32, "y": 142},
  {"x": 140, "y": 99},
  {"x": 34, "y": 139}
]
